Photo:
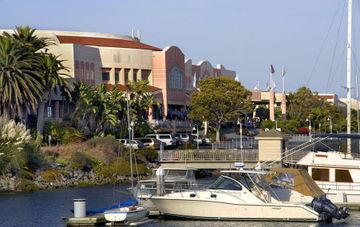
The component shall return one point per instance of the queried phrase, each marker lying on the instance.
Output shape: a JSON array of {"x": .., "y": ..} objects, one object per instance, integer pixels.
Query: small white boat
[{"x": 126, "y": 214}]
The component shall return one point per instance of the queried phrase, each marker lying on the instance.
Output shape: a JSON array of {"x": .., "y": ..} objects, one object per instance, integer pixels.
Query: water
[{"x": 46, "y": 208}]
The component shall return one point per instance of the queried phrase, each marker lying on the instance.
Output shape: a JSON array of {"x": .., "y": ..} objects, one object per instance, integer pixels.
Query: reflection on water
[{"x": 45, "y": 208}]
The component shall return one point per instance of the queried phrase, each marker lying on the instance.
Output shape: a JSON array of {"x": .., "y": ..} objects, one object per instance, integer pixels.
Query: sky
[{"x": 308, "y": 37}]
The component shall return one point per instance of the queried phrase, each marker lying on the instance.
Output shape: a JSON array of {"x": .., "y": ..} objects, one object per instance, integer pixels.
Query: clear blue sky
[{"x": 244, "y": 35}]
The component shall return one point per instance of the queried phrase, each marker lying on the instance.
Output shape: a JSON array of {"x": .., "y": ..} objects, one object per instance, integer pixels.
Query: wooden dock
[{"x": 94, "y": 220}]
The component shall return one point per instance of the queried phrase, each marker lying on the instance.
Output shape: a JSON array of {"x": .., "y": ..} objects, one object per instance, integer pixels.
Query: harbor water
[{"x": 46, "y": 208}]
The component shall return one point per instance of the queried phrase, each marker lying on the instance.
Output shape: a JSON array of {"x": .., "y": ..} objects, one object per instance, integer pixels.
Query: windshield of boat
[{"x": 225, "y": 183}]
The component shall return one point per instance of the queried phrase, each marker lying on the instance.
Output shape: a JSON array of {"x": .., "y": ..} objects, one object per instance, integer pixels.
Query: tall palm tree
[
  {"x": 20, "y": 83},
  {"x": 53, "y": 74}
]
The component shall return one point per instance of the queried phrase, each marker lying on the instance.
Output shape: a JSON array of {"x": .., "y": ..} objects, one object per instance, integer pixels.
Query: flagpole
[{"x": 283, "y": 78}]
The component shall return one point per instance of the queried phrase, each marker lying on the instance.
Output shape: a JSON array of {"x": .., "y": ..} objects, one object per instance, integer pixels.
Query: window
[
  {"x": 342, "y": 175},
  {"x": 320, "y": 174},
  {"x": 135, "y": 73},
  {"x": 126, "y": 75},
  {"x": 117, "y": 72},
  {"x": 145, "y": 74},
  {"x": 175, "y": 77},
  {"x": 105, "y": 75},
  {"x": 164, "y": 137},
  {"x": 225, "y": 183},
  {"x": 92, "y": 74},
  {"x": 87, "y": 72}
]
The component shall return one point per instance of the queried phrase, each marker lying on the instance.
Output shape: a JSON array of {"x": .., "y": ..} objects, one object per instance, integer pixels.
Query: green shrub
[
  {"x": 51, "y": 175},
  {"x": 61, "y": 133},
  {"x": 119, "y": 167},
  {"x": 147, "y": 154},
  {"x": 80, "y": 160},
  {"x": 188, "y": 145},
  {"x": 26, "y": 185},
  {"x": 267, "y": 124}
]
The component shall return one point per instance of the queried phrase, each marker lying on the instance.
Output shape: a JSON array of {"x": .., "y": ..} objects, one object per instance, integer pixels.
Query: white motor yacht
[
  {"x": 337, "y": 174},
  {"x": 281, "y": 194}
]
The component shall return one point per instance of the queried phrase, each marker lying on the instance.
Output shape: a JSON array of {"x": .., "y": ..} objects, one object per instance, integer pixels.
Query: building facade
[{"x": 96, "y": 58}]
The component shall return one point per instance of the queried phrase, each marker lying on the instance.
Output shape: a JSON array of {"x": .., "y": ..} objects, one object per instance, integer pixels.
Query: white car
[
  {"x": 134, "y": 143},
  {"x": 167, "y": 139}
]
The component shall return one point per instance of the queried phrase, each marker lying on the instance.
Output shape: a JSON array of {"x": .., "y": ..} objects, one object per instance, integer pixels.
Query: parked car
[
  {"x": 150, "y": 142},
  {"x": 167, "y": 139},
  {"x": 183, "y": 137},
  {"x": 134, "y": 143}
]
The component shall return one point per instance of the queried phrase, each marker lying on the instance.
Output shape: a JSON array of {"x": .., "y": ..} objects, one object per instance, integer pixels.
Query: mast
[{"x": 348, "y": 75}]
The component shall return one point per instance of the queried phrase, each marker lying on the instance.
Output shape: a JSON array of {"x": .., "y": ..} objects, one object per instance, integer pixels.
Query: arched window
[
  {"x": 82, "y": 71},
  {"x": 87, "y": 72},
  {"x": 175, "y": 77},
  {"x": 92, "y": 73},
  {"x": 77, "y": 70}
]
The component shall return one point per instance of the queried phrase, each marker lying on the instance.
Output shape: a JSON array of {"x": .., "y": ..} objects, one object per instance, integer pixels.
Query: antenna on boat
[{"x": 348, "y": 75}]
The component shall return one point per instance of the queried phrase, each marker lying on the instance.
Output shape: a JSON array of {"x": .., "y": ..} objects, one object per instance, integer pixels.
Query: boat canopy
[{"x": 298, "y": 179}]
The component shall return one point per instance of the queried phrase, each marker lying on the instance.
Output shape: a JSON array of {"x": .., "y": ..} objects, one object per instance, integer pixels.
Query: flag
[
  {"x": 283, "y": 71},
  {"x": 272, "y": 70},
  {"x": 194, "y": 80}
]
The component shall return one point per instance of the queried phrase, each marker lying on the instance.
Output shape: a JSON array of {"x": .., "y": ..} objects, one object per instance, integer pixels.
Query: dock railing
[{"x": 248, "y": 155}]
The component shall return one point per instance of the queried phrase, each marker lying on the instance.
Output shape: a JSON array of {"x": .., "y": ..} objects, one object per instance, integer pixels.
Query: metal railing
[
  {"x": 208, "y": 155},
  {"x": 170, "y": 124},
  {"x": 247, "y": 143}
]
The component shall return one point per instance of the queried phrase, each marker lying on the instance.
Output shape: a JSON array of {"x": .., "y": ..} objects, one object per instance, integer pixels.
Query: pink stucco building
[{"x": 96, "y": 58}]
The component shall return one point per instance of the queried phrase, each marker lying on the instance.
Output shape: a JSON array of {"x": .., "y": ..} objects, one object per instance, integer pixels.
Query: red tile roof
[{"x": 106, "y": 42}]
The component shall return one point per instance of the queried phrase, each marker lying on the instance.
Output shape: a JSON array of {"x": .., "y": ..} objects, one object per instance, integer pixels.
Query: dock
[{"x": 99, "y": 220}]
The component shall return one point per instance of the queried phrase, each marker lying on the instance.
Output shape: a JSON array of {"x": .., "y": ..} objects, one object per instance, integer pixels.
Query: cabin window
[
  {"x": 320, "y": 174},
  {"x": 224, "y": 183},
  {"x": 342, "y": 175}
]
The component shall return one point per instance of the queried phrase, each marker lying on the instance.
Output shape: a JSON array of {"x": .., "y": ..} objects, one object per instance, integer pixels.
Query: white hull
[
  {"x": 125, "y": 214},
  {"x": 216, "y": 210}
]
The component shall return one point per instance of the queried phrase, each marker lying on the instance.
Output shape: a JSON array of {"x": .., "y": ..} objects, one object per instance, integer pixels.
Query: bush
[
  {"x": 51, "y": 175},
  {"x": 267, "y": 124},
  {"x": 147, "y": 155},
  {"x": 61, "y": 133},
  {"x": 26, "y": 185},
  {"x": 119, "y": 167},
  {"x": 80, "y": 160}
]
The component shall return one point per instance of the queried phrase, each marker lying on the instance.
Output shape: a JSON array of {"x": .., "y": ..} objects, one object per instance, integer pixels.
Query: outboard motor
[{"x": 328, "y": 210}]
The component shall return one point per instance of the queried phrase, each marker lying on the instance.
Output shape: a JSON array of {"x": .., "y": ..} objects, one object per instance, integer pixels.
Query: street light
[
  {"x": 240, "y": 132},
  {"x": 197, "y": 135},
  {"x": 331, "y": 125},
  {"x": 309, "y": 120}
]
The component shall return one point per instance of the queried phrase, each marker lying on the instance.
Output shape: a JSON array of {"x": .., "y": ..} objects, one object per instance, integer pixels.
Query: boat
[
  {"x": 128, "y": 214},
  {"x": 336, "y": 173},
  {"x": 175, "y": 180},
  {"x": 280, "y": 194}
]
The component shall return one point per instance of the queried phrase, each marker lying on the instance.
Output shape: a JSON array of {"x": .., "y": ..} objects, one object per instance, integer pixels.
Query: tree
[
  {"x": 305, "y": 104},
  {"x": 52, "y": 71},
  {"x": 20, "y": 82},
  {"x": 96, "y": 108},
  {"x": 219, "y": 100}
]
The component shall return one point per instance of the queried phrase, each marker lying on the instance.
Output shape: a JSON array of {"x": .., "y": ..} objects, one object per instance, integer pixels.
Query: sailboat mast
[{"x": 348, "y": 75}]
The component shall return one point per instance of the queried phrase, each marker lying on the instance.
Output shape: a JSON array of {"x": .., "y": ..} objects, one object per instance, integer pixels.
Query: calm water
[{"x": 45, "y": 208}]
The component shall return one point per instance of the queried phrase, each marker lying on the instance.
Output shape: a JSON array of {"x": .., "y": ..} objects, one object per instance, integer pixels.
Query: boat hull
[
  {"x": 214, "y": 210},
  {"x": 125, "y": 214}
]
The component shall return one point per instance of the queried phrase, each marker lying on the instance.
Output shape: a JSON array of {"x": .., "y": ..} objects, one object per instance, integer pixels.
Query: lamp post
[
  {"x": 240, "y": 133},
  {"x": 331, "y": 125},
  {"x": 196, "y": 127},
  {"x": 309, "y": 120}
]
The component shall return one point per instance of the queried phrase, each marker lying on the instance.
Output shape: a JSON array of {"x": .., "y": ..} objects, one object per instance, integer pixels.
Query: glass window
[
  {"x": 164, "y": 137},
  {"x": 320, "y": 174},
  {"x": 145, "y": 74},
  {"x": 117, "y": 72},
  {"x": 105, "y": 76},
  {"x": 225, "y": 183},
  {"x": 126, "y": 75},
  {"x": 342, "y": 175},
  {"x": 175, "y": 77}
]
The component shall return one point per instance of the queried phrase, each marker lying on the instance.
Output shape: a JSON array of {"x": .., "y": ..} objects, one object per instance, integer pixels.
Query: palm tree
[
  {"x": 52, "y": 71},
  {"x": 20, "y": 83}
]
